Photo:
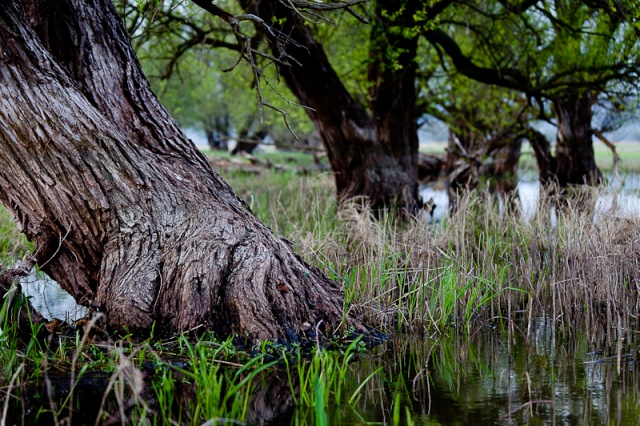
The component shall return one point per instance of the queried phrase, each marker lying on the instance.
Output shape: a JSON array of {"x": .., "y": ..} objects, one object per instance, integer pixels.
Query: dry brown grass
[{"x": 484, "y": 267}]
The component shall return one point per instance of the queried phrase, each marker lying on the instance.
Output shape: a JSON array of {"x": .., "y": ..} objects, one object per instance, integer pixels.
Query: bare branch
[
  {"x": 612, "y": 147},
  {"x": 361, "y": 18},
  {"x": 248, "y": 53},
  {"x": 320, "y": 5},
  {"x": 284, "y": 117}
]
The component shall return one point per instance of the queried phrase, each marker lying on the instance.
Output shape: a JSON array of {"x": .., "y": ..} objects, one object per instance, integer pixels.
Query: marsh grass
[
  {"x": 483, "y": 267},
  {"x": 79, "y": 382},
  {"x": 560, "y": 274}
]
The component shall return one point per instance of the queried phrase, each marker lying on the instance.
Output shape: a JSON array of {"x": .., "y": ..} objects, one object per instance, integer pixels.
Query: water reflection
[
  {"x": 619, "y": 198},
  {"x": 49, "y": 299},
  {"x": 497, "y": 378}
]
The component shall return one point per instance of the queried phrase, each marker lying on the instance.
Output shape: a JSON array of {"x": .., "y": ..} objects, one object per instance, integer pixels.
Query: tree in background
[
  {"x": 549, "y": 52},
  {"x": 487, "y": 125},
  {"x": 174, "y": 42},
  {"x": 372, "y": 146},
  {"x": 565, "y": 57}
]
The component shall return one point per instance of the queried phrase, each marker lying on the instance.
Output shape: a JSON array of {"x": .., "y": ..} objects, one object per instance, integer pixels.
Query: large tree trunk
[
  {"x": 127, "y": 215},
  {"x": 393, "y": 89},
  {"x": 370, "y": 158},
  {"x": 575, "y": 159}
]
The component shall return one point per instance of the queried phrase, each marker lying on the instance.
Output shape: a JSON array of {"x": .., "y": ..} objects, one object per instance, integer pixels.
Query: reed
[
  {"x": 484, "y": 266},
  {"x": 563, "y": 273}
]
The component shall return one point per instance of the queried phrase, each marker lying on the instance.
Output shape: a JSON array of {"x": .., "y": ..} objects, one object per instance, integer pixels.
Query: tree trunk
[
  {"x": 127, "y": 215},
  {"x": 503, "y": 170},
  {"x": 393, "y": 90},
  {"x": 217, "y": 131},
  {"x": 461, "y": 165},
  {"x": 575, "y": 159},
  {"x": 544, "y": 158},
  {"x": 248, "y": 144},
  {"x": 366, "y": 163},
  {"x": 474, "y": 160}
]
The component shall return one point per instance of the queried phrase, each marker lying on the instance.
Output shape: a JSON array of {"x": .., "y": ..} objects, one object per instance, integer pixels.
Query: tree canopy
[{"x": 561, "y": 62}]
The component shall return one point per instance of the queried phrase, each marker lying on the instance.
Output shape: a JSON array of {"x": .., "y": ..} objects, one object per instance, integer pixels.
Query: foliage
[
  {"x": 174, "y": 42},
  {"x": 549, "y": 50}
]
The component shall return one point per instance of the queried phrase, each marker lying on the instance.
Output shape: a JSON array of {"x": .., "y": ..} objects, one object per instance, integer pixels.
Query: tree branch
[
  {"x": 319, "y": 5},
  {"x": 611, "y": 146},
  {"x": 509, "y": 78}
]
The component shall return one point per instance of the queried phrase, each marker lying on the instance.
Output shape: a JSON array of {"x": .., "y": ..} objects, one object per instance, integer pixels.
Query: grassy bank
[
  {"x": 480, "y": 272},
  {"x": 12, "y": 243}
]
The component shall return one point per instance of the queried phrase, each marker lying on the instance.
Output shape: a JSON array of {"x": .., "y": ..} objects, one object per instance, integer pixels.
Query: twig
[
  {"x": 318, "y": 336},
  {"x": 359, "y": 17},
  {"x": 248, "y": 53},
  {"x": 9, "y": 389},
  {"x": 525, "y": 405},
  {"x": 612, "y": 147},
  {"x": 61, "y": 239}
]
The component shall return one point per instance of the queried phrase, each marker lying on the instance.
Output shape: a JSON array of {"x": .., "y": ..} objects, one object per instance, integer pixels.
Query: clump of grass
[
  {"x": 317, "y": 380},
  {"x": 176, "y": 382},
  {"x": 561, "y": 271},
  {"x": 484, "y": 266}
]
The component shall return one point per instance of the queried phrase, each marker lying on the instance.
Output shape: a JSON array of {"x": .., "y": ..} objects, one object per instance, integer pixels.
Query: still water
[
  {"x": 496, "y": 378},
  {"x": 49, "y": 299},
  {"x": 620, "y": 197}
]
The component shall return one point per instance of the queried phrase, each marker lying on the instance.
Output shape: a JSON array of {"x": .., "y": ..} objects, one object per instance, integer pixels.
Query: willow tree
[
  {"x": 370, "y": 138},
  {"x": 373, "y": 153},
  {"x": 566, "y": 57},
  {"x": 126, "y": 214},
  {"x": 487, "y": 125}
]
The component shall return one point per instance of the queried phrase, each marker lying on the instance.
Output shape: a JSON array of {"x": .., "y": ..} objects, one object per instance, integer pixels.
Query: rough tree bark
[
  {"x": 575, "y": 159},
  {"x": 127, "y": 215},
  {"x": 372, "y": 156}
]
